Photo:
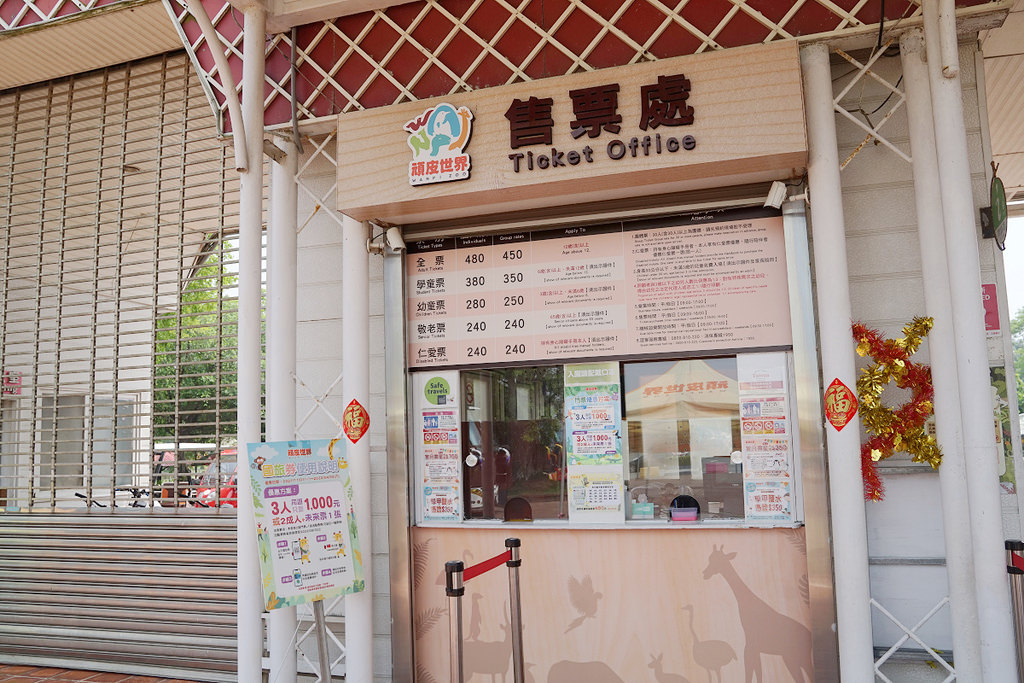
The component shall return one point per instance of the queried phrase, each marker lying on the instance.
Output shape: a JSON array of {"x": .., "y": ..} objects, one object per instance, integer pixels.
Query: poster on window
[
  {"x": 595, "y": 494},
  {"x": 593, "y": 400},
  {"x": 768, "y": 501},
  {"x": 437, "y": 445},
  {"x": 765, "y": 433},
  {"x": 305, "y": 523},
  {"x": 593, "y": 407}
]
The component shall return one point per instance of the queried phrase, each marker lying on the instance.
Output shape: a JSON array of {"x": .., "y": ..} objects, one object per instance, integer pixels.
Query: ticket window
[
  {"x": 512, "y": 443},
  {"x": 611, "y": 441},
  {"x": 683, "y": 433}
]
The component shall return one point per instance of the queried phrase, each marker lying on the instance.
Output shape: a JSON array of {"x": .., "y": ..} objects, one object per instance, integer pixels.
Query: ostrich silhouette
[{"x": 710, "y": 655}]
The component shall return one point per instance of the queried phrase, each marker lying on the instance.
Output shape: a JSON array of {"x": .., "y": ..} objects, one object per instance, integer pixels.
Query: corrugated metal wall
[{"x": 142, "y": 593}]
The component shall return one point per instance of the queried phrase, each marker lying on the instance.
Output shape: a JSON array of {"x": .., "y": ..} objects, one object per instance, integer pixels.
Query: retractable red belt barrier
[
  {"x": 1015, "y": 568},
  {"x": 455, "y": 577},
  {"x": 486, "y": 565}
]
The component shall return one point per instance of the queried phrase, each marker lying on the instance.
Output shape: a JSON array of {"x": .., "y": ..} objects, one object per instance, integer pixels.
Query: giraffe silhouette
[
  {"x": 710, "y": 655},
  {"x": 767, "y": 631}
]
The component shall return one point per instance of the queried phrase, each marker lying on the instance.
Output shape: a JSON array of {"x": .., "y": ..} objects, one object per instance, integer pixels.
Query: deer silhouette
[
  {"x": 489, "y": 658},
  {"x": 659, "y": 672},
  {"x": 710, "y": 655},
  {"x": 767, "y": 631}
]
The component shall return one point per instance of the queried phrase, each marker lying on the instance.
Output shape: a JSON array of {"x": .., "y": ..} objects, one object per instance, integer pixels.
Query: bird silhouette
[
  {"x": 584, "y": 600},
  {"x": 711, "y": 655}
]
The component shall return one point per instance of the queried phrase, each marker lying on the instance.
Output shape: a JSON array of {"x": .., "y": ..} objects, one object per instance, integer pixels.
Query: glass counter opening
[{"x": 684, "y": 441}]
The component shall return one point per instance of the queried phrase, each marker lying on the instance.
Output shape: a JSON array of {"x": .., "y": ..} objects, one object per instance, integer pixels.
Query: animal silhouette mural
[
  {"x": 566, "y": 671},
  {"x": 584, "y": 599},
  {"x": 659, "y": 672},
  {"x": 767, "y": 631},
  {"x": 710, "y": 655},
  {"x": 488, "y": 658}
]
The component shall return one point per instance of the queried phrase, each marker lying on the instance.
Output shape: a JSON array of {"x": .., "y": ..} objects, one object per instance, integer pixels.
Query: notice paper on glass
[
  {"x": 305, "y": 522},
  {"x": 437, "y": 445}
]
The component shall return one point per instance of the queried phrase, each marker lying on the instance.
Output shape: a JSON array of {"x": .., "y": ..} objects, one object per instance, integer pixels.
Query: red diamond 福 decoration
[
  {"x": 840, "y": 404},
  {"x": 355, "y": 421}
]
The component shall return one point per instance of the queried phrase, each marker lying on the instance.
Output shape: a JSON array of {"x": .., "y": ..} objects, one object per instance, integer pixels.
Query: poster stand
[{"x": 306, "y": 529}]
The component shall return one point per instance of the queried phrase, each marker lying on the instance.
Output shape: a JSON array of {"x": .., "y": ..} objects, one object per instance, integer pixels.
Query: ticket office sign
[
  {"x": 708, "y": 280},
  {"x": 305, "y": 522}
]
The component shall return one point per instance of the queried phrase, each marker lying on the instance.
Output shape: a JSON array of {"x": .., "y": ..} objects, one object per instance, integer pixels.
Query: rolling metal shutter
[
  {"x": 141, "y": 593},
  {"x": 118, "y": 204}
]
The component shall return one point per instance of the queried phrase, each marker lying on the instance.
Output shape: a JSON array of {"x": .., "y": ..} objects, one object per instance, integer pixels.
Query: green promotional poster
[{"x": 305, "y": 521}]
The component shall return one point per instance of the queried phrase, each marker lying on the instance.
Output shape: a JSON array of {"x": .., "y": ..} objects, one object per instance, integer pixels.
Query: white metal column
[
  {"x": 963, "y": 264},
  {"x": 281, "y": 324},
  {"x": 849, "y": 525},
  {"x": 355, "y": 313},
  {"x": 942, "y": 357},
  {"x": 250, "y": 235}
]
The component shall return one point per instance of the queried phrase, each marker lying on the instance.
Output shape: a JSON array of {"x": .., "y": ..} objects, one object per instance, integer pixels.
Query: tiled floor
[{"x": 38, "y": 674}]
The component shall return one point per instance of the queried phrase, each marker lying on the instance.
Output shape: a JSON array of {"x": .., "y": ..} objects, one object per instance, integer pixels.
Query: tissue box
[
  {"x": 683, "y": 514},
  {"x": 643, "y": 511}
]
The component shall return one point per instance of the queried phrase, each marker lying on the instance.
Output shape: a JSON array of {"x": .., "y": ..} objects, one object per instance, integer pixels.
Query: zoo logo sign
[{"x": 438, "y": 138}]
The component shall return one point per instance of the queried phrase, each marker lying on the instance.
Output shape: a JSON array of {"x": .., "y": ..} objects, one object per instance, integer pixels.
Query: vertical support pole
[
  {"x": 963, "y": 265},
  {"x": 454, "y": 590},
  {"x": 321, "y": 642},
  {"x": 281, "y": 320},
  {"x": 250, "y": 251},
  {"x": 398, "y": 475},
  {"x": 515, "y": 608},
  {"x": 849, "y": 524},
  {"x": 355, "y": 312},
  {"x": 942, "y": 356}
]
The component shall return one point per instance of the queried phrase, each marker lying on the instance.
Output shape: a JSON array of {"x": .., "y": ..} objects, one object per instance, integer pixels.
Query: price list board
[{"x": 704, "y": 281}]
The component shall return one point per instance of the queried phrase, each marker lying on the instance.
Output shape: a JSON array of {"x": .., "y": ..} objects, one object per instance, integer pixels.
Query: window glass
[
  {"x": 512, "y": 443},
  {"x": 683, "y": 441}
]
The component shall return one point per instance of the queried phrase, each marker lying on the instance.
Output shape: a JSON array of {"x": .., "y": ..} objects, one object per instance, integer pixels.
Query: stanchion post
[
  {"x": 515, "y": 609},
  {"x": 1017, "y": 597},
  {"x": 455, "y": 590}
]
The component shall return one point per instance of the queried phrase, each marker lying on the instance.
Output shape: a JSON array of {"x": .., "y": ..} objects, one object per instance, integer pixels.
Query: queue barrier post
[
  {"x": 456, "y": 574},
  {"x": 516, "y": 616},
  {"x": 455, "y": 589},
  {"x": 1015, "y": 568}
]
